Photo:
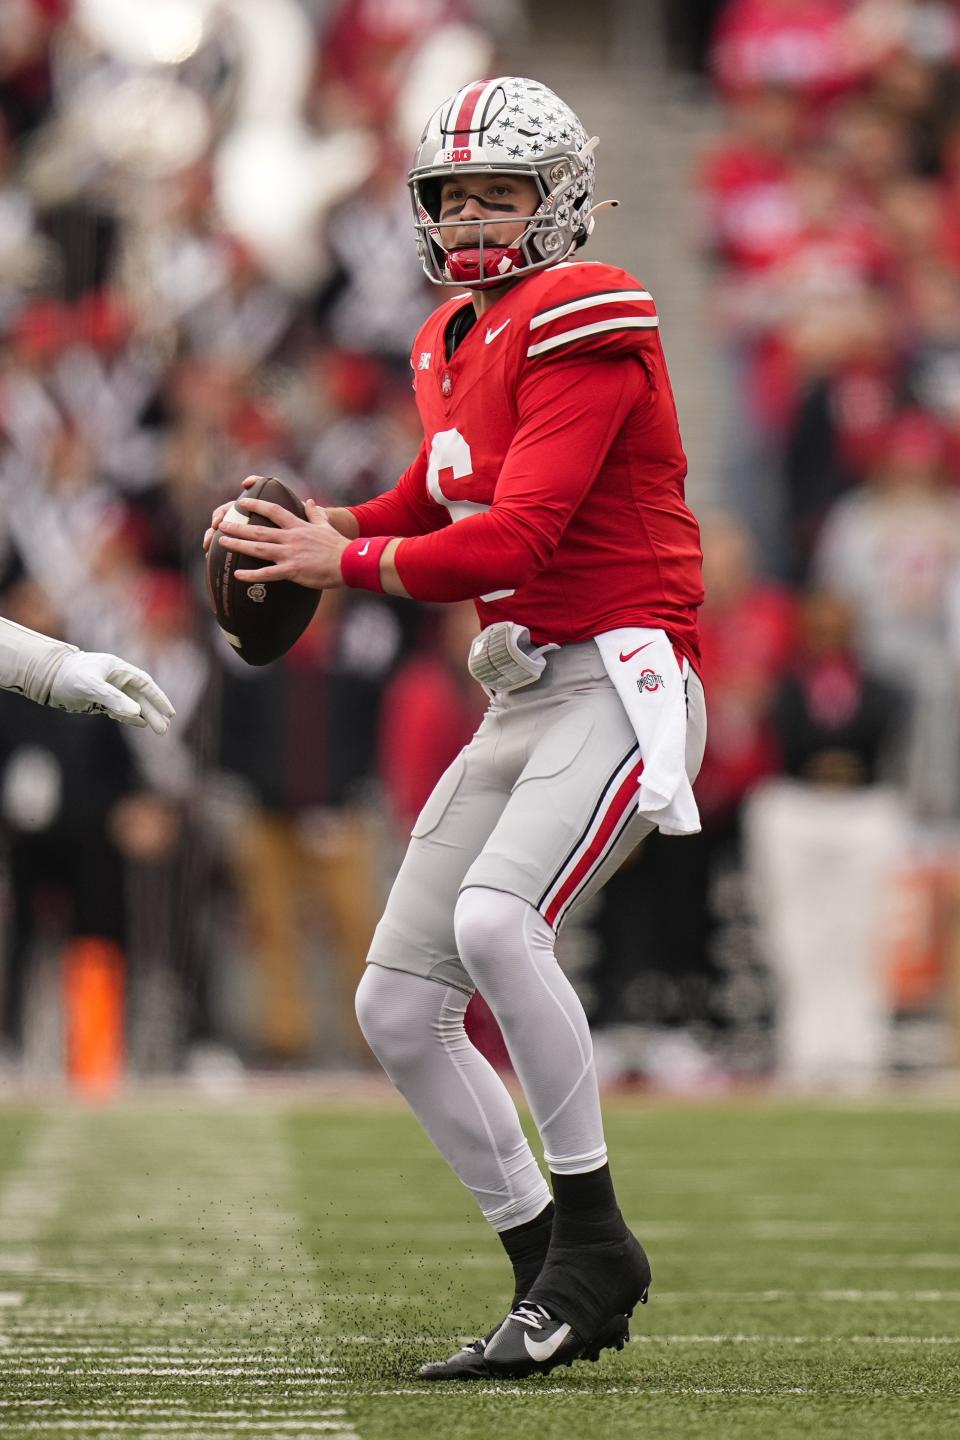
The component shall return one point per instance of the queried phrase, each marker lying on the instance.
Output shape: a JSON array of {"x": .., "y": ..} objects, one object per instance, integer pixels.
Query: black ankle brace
[{"x": 527, "y": 1247}]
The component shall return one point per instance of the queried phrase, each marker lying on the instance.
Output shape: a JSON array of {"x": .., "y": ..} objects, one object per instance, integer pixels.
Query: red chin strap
[{"x": 498, "y": 261}]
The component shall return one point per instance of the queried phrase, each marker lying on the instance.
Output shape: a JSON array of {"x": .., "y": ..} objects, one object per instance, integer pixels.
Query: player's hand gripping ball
[{"x": 261, "y": 621}]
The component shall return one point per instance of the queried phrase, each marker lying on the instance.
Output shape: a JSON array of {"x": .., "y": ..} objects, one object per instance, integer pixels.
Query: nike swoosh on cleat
[
  {"x": 634, "y": 652},
  {"x": 491, "y": 335},
  {"x": 546, "y": 1349}
]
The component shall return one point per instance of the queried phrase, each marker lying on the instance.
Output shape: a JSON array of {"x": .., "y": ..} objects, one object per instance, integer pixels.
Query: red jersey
[{"x": 551, "y": 478}]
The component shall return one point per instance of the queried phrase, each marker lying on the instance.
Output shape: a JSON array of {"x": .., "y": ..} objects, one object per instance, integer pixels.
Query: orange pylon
[{"x": 93, "y": 984}]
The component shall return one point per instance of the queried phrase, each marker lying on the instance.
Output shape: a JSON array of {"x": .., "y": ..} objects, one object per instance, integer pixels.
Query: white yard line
[
  {"x": 179, "y": 1408},
  {"x": 200, "y": 1426},
  {"x": 759, "y": 1227},
  {"x": 180, "y": 1223},
  {"x": 856, "y": 1297},
  {"x": 201, "y": 1373},
  {"x": 519, "y": 1391},
  {"x": 32, "y": 1196},
  {"x": 823, "y": 1260},
  {"x": 687, "y": 1339},
  {"x": 795, "y": 1339}
]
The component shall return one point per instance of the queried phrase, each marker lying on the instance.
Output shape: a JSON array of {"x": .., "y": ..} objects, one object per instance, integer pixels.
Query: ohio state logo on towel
[{"x": 649, "y": 680}]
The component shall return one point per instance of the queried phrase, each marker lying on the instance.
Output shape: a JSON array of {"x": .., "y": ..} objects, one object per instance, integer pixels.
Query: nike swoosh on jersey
[
  {"x": 491, "y": 335},
  {"x": 623, "y": 657},
  {"x": 545, "y": 1349},
  {"x": 364, "y": 548}
]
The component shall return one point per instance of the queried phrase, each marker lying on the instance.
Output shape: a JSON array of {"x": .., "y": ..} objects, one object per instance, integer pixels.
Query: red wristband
[{"x": 360, "y": 562}]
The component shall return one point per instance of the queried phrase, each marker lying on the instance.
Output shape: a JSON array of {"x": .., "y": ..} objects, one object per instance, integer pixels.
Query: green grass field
[{"x": 278, "y": 1269}]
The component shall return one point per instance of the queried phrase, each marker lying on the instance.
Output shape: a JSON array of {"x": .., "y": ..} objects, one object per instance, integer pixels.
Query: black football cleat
[
  {"x": 593, "y": 1285},
  {"x": 469, "y": 1363},
  {"x": 531, "y": 1342},
  {"x": 613, "y": 1336},
  {"x": 599, "y": 1285}
]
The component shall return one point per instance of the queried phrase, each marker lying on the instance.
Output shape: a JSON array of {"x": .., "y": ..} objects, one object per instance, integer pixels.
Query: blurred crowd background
[{"x": 207, "y": 269}]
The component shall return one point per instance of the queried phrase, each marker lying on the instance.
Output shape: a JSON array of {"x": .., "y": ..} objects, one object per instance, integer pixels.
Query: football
[{"x": 261, "y": 621}]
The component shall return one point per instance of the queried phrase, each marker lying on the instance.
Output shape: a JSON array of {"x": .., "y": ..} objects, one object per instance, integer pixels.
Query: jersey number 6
[{"x": 450, "y": 454}]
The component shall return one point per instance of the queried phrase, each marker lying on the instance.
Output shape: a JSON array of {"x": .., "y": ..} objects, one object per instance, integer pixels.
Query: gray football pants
[{"x": 525, "y": 825}]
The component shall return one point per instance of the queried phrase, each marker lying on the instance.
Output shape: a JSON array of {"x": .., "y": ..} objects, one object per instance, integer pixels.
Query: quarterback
[
  {"x": 549, "y": 488},
  {"x": 51, "y": 672}
]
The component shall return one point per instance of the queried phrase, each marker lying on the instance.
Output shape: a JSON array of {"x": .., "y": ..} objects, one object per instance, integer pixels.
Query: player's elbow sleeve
[
  {"x": 526, "y": 552},
  {"x": 514, "y": 564}
]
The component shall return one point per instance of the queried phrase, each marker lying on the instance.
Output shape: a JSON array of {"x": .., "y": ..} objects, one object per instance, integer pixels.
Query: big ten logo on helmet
[
  {"x": 457, "y": 157},
  {"x": 649, "y": 680}
]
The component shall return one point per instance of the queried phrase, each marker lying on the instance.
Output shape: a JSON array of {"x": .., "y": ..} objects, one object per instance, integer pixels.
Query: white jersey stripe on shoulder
[
  {"x": 633, "y": 322},
  {"x": 586, "y": 302}
]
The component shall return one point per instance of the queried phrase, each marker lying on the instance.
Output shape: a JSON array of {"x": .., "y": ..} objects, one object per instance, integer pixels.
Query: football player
[
  {"x": 51, "y": 672},
  {"x": 550, "y": 489}
]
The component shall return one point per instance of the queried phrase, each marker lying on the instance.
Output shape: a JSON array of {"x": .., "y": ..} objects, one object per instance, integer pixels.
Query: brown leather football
[{"x": 260, "y": 620}]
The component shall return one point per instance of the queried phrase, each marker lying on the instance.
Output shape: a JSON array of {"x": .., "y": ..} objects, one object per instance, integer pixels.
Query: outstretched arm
[{"x": 51, "y": 672}]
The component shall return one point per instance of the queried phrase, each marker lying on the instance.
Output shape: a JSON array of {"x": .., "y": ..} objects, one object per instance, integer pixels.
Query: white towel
[{"x": 650, "y": 682}]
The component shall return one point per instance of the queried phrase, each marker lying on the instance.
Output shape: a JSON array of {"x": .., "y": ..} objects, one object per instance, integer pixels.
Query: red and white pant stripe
[{"x": 611, "y": 816}]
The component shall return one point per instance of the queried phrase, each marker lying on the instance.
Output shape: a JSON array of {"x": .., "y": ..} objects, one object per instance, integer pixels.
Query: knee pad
[
  {"x": 503, "y": 941},
  {"x": 398, "y": 1014},
  {"x": 385, "y": 1025},
  {"x": 484, "y": 923}
]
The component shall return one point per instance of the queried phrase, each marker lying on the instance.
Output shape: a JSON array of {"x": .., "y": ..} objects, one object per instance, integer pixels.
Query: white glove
[{"x": 104, "y": 684}]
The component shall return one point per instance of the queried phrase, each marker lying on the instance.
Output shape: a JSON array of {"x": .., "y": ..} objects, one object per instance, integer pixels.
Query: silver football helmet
[{"x": 505, "y": 126}]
